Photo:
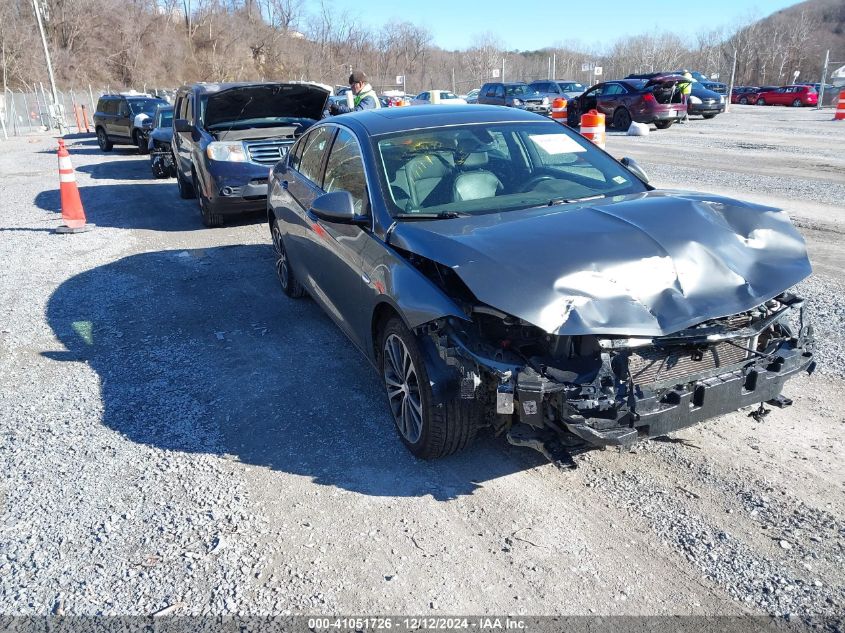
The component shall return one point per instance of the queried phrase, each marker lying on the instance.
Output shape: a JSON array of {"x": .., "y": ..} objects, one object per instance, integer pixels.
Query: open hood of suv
[{"x": 263, "y": 101}]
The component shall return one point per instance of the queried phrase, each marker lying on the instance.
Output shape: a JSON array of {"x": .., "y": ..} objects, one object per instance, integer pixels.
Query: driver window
[
  {"x": 312, "y": 156},
  {"x": 345, "y": 170},
  {"x": 124, "y": 109},
  {"x": 500, "y": 91}
]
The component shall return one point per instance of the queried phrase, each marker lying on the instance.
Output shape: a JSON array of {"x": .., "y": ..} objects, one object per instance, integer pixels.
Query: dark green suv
[{"x": 119, "y": 119}]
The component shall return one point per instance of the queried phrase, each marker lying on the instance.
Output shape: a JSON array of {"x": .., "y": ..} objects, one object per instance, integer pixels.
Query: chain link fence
[{"x": 25, "y": 112}]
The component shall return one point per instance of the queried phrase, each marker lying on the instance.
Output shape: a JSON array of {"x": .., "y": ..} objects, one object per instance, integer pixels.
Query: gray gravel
[{"x": 174, "y": 433}]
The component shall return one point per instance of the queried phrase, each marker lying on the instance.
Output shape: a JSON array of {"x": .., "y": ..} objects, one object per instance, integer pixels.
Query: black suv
[
  {"x": 708, "y": 84},
  {"x": 119, "y": 119},
  {"x": 227, "y": 136},
  {"x": 515, "y": 94}
]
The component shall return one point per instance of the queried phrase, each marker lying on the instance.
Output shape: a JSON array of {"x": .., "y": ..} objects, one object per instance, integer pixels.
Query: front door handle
[{"x": 284, "y": 184}]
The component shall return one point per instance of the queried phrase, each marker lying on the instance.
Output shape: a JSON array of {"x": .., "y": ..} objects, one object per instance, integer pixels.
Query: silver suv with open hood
[{"x": 227, "y": 136}]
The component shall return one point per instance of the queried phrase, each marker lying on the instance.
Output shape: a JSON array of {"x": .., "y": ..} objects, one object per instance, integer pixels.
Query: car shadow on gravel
[
  {"x": 151, "y": 205},
  {"x": 119, "y": 170},
  {"x": 199, "y": 351}
]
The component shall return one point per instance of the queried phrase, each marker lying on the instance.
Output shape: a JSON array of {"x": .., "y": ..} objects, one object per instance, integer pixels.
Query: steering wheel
[{"x": 536, "y": 180}]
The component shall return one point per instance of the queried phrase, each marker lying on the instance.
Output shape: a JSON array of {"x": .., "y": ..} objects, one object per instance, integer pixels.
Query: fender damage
[{"x": 616, "y": 324}]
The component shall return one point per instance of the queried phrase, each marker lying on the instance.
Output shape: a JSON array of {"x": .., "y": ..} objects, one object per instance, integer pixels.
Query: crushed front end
[{"x": 599, "y": 391}]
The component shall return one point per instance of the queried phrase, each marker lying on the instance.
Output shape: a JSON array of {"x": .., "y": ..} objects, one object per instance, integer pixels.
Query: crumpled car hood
[{"x": 640, "y": 265}]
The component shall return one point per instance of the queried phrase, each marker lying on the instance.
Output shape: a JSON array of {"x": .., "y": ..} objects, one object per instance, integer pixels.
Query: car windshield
[
  {"x": 492, "y": 168},
  {"x": 448, "y": 95},
  {"x": 519, "y": 91},
  {"x": 572, "y": 87},
  {"x": 165, "y": 118},
  {"x": 147, "y": 106}
]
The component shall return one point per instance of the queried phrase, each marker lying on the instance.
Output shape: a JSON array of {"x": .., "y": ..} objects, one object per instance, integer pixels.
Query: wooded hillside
[{"x": 164, "y": 43}]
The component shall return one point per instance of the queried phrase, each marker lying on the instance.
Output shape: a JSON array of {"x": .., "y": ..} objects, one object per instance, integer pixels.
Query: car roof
[{"x": 387, "y": 120}]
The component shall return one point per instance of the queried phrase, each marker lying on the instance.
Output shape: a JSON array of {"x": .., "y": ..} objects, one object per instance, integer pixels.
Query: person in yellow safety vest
[
  {"x": 365, "y": 97},
  {"x": 686, "y": 90}
]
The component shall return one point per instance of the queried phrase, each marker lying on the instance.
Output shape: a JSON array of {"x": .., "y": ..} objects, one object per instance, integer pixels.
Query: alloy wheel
[
  {"x": 403, "y": 389},
  {"x": 282, "y": 271}
]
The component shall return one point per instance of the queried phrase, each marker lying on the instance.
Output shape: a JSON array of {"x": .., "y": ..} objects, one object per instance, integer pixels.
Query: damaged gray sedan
[{"x": 500, "y": 271}]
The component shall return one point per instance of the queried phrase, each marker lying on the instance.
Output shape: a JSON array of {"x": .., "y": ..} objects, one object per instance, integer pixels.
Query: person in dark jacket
[{"x": 365, "y": 97}]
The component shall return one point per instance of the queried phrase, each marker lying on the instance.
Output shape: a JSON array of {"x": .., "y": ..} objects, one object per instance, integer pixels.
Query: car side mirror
[
  {"x": 632, "y": 166},
  {"x": 337, "y": 207},
  {"x": 182, "y": 125}
]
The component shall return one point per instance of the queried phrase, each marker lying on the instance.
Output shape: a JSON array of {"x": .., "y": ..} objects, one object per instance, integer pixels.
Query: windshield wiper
[
  {"x": 443, "y": 215},
  {"x": 555, "y": 201}
]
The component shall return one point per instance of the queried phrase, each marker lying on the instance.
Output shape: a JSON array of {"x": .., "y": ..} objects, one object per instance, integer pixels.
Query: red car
[
  {"x": 796, "y": 96},
  {"x": 650, "y": 100}
]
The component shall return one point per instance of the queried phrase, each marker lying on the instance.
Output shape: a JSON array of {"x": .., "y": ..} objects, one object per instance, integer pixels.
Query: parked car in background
[
  {"x": 700, "y": 101},
  {"x": 498, "y": 269},
  {"x": 159, "y": 143},
  {"x": 225, "y": 136},
  {"x": 118, "y": 119},
  {"x": 744, "y": 94},
  {"x": 708, "y": 84},
  {"x": 472, "y": 95},
  {"x": 515, "y": 94},
  {"x": 655, "y": 100},
  {"x": 428, "y": 98},
  {"x": 794, "y": 95},
  {"x": 558, "y": 88}
]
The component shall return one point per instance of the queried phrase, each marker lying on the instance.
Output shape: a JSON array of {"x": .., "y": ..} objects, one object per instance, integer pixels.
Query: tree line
[{"x": 164, "y": 43}]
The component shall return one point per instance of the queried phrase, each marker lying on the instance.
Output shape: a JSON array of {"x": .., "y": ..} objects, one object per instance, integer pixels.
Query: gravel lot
[{"x": 174, "y": 432}]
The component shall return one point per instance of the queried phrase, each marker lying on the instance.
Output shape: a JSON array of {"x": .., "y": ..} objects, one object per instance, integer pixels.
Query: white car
[{"x": 425, "y": 98}]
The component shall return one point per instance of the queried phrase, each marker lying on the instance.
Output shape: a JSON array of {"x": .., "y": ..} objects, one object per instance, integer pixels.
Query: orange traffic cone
[
  {"x": 840, "y": 108},
  {"x": 73, "y": 214}
]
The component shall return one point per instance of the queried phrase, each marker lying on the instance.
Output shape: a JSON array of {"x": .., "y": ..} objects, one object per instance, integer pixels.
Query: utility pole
[
  {"x": 59, "y": 117},
  {"x": 554, "y": 69},
  {"x": 503, "y": 69},
  {"x": 824, "y": 78},
  {"x": 731, "y": 86}
]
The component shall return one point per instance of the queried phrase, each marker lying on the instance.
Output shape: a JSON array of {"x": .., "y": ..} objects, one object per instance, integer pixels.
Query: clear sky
[{"x": 533, "y": 24}]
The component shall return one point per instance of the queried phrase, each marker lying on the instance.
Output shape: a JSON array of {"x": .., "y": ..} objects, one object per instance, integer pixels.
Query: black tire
[
  {"x": 708, "y": 116},
  {"x": 142, "y": 144},
  {"x": 290, "y": 285},
  {"x": 186, "y": 189},
  {"x": 761, "y": 101},
  {"x": 209, "y": 218},
  {"x": 427, "y": 430},
  {"x": 743, "y": 100},
  {"x": 663, "y": 125},
  {"x": 103, "y": 140},
  {"x": 622, "y": 119},
  {"x": 158, "y": 168},
  {"x": 797, "y": 103}
]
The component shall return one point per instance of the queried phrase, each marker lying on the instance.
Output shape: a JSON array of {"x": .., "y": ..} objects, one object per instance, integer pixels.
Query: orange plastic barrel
[
  {"x": 559, "y": 110},
  {"x": 840, "y": 108},
  {"x": 592, "y": 127}
]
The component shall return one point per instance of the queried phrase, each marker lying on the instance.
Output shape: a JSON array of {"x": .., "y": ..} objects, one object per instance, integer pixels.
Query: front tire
[
  {"x": 103, "y": 140},
  {"x": 428, "y": 430},
  {"x": 186, "y": 190},
  {"x": 708, "y": 116},
  {"x": 663, "y": 125},
  {"x": 290, "y": 286},
  {"x": 743, "y": 101},
  {"x": 797, "y": 103},
  {"x": 142, "y": 145},
  {"x": 761, "y": 101},
  {"x": 209, "y": 218}
]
